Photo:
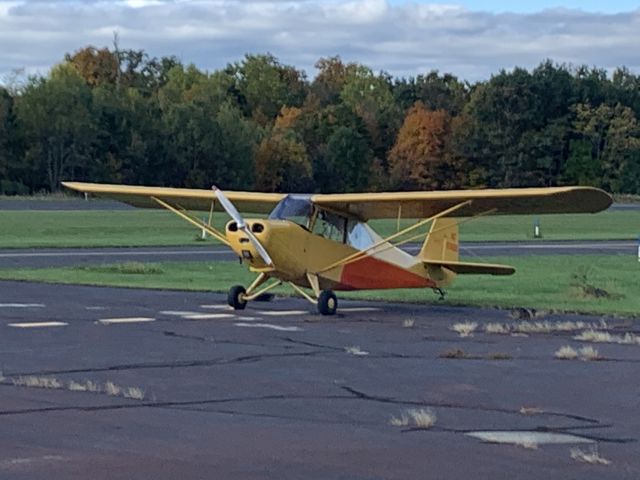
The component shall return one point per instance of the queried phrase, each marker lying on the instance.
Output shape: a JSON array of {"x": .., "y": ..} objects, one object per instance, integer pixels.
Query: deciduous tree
[{"x": 421, "y": 157}]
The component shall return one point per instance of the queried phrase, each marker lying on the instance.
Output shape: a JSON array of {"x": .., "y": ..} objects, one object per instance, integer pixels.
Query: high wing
[
  {"x": 514, "y": 201},
  {"x": 366, "y": 206},
  {"x": 186, "y": 198}
]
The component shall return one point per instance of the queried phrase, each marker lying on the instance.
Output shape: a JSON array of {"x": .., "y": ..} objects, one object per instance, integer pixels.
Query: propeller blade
[
  {"x": 235, "y": 215},
  {"x": 256, "y": 243},
  {"x": 229, "y": 207}
]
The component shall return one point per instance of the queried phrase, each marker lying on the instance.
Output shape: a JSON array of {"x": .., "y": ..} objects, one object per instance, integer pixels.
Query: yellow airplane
[{"x": 323, "y": 242}]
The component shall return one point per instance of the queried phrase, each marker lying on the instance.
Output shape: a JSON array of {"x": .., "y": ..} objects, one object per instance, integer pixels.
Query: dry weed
[
  {"x": 87, "y": 386},
  {"x": 464, "y": 329},
  {"x": 112, "y": 389},
  {"x": 135, "y": 393},
  {"x": 589, "y": 354},
  {"x": 409, "y": 323},
  {"x": 592, "y": 457},
  {"x": 355, "y": 350},
  {"x": 566, "y": 353},
  {"x": 497, "y": 328},
  {"x": 526, "y": 327},
  {"x": 606, "y": 337},
  {"x": 92, "y": 386},
  {"x": 76, "y": 387},
  {"x": 33, "y": 381},
  {"x": 531, "y": 410},
  {"x": 422, "y": 418},
  {"x": 401, "y": 421}
]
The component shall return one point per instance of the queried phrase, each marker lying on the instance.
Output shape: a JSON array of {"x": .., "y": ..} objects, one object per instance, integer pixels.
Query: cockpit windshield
[{"x": 297, "y": 208}]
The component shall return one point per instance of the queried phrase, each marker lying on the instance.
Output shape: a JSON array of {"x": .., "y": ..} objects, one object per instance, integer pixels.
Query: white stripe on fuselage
[{"x": 389, "y": 253}]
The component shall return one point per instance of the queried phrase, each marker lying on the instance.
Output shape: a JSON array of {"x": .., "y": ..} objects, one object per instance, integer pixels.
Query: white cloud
[{"x": 404, "y": 38}]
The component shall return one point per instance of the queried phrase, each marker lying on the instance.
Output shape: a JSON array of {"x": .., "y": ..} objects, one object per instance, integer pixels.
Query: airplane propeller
[{"x": 235, "y": 215}]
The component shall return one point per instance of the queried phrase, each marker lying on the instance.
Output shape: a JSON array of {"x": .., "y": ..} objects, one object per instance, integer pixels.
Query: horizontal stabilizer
[{"x": 471, "y": 268}]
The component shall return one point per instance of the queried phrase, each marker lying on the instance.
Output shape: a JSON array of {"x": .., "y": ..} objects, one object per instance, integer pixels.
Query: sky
[
  {"x": 470, "y": 38},
  {"x": 615, "y": 6}
]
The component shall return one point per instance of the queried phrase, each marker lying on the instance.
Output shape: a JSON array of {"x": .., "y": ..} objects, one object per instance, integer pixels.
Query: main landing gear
[
  {"x": 325, "y": 300},
  {"x": 236, "y": 299}
]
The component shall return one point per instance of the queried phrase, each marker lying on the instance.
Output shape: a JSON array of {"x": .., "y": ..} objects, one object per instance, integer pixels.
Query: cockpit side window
[
  {"x": 344, "y": 230},
  {"x": 360, "y": 235},
  {"x": 330, "y": 225}
]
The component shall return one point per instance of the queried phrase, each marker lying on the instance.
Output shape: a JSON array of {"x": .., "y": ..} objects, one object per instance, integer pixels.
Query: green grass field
[
  {"x": 559, "y": 283},
  {"x": 91, "y": 228}
]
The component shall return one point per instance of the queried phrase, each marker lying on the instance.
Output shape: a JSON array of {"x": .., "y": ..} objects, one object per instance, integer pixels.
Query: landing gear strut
[{"x": 238, "y": 296}]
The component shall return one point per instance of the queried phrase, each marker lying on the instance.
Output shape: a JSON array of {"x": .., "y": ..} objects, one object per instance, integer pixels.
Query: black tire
[
  {"x": 234, "y": 299},
  {"x": 327, "y": 302}
]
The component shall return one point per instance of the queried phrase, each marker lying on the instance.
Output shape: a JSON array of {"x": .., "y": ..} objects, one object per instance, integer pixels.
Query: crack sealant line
[
  {"x": 394, "y": 401},
  {"x": 167, "y": 404},
  {"x": 179, "y": 364}
]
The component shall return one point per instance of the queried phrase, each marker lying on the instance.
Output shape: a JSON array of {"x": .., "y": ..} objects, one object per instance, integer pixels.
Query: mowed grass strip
[
  {"x": 601, "y": 284},
  {"x": 94, "y": 228},
  {"x": 138, "y": 228}
]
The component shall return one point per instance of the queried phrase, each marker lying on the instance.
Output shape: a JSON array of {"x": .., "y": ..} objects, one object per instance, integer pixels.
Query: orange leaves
[
  {"x": 421, "y": 148},
  {"x": 95, "y": 66},
  {"x": 287, "y": 118}
]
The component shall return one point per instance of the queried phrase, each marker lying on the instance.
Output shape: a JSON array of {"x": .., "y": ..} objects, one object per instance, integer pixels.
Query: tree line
[{"x": 121, "y": 116}]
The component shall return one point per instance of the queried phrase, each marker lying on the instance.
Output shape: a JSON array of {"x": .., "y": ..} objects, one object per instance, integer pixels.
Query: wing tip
[
  {"x": 72, "y": 185},
  {"x": 593, "y": 199}
]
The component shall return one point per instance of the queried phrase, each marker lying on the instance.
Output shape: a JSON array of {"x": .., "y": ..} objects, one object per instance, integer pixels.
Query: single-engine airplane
[{"x": 323, "y": 243}]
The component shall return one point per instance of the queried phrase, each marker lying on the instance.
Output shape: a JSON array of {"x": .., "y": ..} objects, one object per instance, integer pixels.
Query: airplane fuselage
[{"x": 296, "y": 251}]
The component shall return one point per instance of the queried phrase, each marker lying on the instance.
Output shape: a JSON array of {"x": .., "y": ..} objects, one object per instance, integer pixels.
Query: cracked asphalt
[{"x": 291, "y": 397}]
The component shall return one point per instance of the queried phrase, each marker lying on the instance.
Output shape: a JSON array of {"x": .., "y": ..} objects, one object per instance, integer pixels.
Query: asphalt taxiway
[
  {"x": 278, "y": 392},
  {"x": 59, "y": 257}
]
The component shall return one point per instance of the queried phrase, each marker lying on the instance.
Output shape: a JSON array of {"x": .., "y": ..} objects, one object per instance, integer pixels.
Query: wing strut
[
  {"x": 421, "y": 235},
  {"x": 193, "y": 221},
  {"x": 363, "y": 253}
]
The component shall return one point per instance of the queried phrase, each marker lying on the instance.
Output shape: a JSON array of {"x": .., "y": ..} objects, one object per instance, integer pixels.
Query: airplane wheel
[
  {"x": 235, "y": 299},
  {"x": 327, "y": 302}
]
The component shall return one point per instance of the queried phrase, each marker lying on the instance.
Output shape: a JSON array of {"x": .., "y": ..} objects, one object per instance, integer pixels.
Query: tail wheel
[
  {"x": 327, "y": 302},
  {"x": 235, "y": 298}
]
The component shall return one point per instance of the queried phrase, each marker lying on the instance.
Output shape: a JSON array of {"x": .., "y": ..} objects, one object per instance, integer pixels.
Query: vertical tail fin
[
  {"x": 440, "y": 255},
  {"x": 442, "y": 241}
]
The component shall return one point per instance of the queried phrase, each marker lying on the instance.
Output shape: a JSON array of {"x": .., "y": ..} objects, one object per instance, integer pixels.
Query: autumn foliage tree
[
  {"x": 96, "y": 66},
  {"x": 422, "y": 157}
]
